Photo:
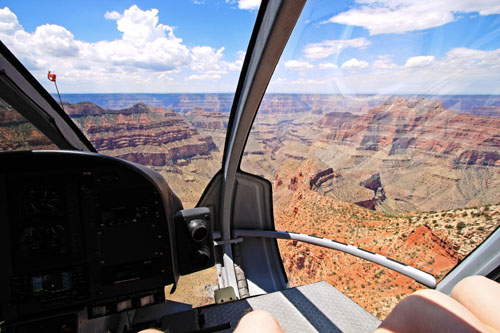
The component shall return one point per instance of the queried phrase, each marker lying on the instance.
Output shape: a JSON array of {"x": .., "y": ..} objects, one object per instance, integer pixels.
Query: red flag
[{"x": 51, "y": 77}]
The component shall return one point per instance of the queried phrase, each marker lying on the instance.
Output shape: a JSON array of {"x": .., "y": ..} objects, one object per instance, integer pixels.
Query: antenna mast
[{"x": 52, "y": 77}]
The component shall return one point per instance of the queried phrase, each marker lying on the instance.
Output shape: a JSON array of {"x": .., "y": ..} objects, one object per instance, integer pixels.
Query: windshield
[
  {"x": 151, "y": 83},
  {"x": 379, "y": 129}
]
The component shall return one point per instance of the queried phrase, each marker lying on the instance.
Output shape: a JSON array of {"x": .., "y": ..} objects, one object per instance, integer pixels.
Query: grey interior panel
[
  {"x": 316, "y": 307},
  {"x": 260, "y": 257}
]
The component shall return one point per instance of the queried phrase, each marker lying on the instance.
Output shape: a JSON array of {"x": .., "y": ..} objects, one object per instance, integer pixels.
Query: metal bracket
[
  {"x": 224, "y": 295},
  {"x": 229, "y": 241}
]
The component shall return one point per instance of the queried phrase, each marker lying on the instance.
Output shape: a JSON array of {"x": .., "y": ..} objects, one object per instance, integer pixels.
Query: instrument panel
[{"x": 86, "y": 230}]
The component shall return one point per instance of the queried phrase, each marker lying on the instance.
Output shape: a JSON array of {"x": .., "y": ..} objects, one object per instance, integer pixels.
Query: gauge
[
  {"x": 42, "y": 240},
  {"x": 44, "y": 202}
]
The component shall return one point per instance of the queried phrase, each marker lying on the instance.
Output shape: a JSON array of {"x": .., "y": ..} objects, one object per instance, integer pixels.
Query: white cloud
[
  {"x": 329, "y": 47},
  {"x": 469, "y": 59},
  {"x": 327, "y": 65},
  {"x": 280, "y": 80},
  {"x": 55, "y": 41},
  {"x": 304, "y": 81},
  {"x": 236, "y": 66},
  {"x": 420, "y": 61},
  {"x": 114, "y": 15},
  {"x": 384, "y": 62},
  {"x": 144, "y": 44},
  {"x": 146, "y": 50},
  {"x": 298, "y": 65},
  {"x": 163, "y": 76},
  {"x": 249, "y": 4},
  {"x": 8, "y": 21},
  {"x": 460, "y": 71},
  {"x": 141, "y": 26},
  {"x": 354, "y": 64},
  {"x": 398, "y": 16},
  {"x": 204, "y": 77},
  {"x": 207, "y": 59}
]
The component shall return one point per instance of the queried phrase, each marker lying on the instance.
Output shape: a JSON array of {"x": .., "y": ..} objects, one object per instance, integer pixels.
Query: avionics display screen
[{"x": 52, "y": 283}]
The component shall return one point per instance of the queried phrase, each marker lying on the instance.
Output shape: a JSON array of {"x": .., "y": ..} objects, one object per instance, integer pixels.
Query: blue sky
[
  {"x": 366, "y": 46},
  {"x": 196, "y": 24}
]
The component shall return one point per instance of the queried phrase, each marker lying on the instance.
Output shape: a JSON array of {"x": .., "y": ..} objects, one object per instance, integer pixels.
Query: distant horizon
[
  {"x": 222, "y": 102},
  {"x": 272, "y": 93}
]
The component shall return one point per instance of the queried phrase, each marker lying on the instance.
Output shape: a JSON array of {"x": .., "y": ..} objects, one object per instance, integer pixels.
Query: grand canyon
[{"x": 416, "y": 178}]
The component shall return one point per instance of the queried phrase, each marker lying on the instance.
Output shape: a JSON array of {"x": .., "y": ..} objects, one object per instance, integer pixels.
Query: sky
[{"x": 182, "y": 46}]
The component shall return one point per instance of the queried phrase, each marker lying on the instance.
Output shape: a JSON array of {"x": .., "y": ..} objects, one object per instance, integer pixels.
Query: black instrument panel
[{"x": 82, "y": 229}]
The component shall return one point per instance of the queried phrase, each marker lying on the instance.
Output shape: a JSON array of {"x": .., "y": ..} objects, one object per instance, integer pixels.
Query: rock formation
[{"x": 142, "y": 134}]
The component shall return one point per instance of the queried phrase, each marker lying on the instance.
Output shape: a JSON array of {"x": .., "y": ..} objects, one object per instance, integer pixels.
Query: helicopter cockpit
[{"x": 90, "y": 241}]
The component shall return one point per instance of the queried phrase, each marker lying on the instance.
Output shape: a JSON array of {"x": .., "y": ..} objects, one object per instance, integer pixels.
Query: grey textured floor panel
[{"x": 317, "y": 307}]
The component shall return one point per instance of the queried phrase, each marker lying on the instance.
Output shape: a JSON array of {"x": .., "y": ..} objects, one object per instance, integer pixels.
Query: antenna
[{"x": 52, "y": 77}]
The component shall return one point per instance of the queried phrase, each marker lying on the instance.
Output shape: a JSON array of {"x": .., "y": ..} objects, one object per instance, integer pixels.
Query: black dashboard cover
[{"x": 82, "y": 229}]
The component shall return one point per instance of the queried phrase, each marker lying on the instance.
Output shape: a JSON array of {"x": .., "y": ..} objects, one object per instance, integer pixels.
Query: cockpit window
[
  {"x": 150, "y": 83},
  {"x": 380, "y": 129},
  {"x": 17, "y": 133}
]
